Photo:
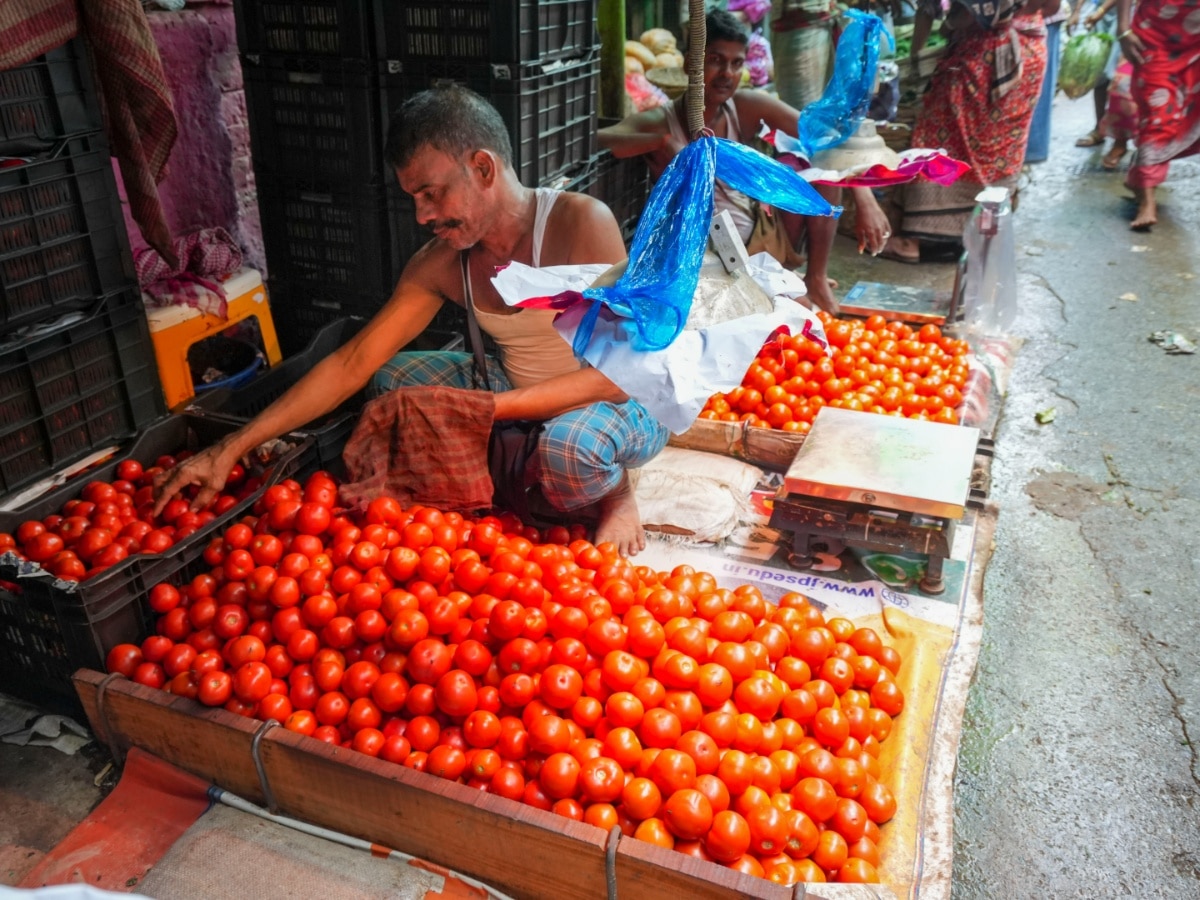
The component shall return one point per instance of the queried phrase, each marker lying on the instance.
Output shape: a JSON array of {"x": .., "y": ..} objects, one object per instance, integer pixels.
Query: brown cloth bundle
[
  {"x": 426, "y": 445},
  {"x": 138, "y": 109}
]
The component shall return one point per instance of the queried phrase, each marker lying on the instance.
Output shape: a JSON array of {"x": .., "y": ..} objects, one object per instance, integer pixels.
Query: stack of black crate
[
  {"x": 322, "y": 78},
  {"x": 77, "y": 369}
]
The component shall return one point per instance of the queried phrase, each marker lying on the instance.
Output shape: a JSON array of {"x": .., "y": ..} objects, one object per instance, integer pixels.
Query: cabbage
[{"x": 1083, "y": 63}]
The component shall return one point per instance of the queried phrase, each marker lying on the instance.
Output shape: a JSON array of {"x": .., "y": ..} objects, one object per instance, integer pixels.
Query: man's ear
[{"x": 484, "y": 162}]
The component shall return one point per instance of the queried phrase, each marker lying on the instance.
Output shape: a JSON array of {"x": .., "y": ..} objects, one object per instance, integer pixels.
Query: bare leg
[
  {"x": 821, "y": 232},
  {"x": 620, "y": 522},
  {"x": 1147, "y": 211},
  {"x": 1100, "y": 98}
]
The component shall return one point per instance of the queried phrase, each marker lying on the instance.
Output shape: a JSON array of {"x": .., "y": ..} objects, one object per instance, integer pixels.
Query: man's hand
[
  {"x": 820, "y": 294},
  {"x": 208, "y": 469},
  {"x": 870, "y": 224}
]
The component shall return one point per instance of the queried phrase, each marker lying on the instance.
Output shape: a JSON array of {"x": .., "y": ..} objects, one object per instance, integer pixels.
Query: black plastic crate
[
  {"x": 74, "y": 390},
  {"x": 487, "y": 31},
  {"x": 314, "y": 118},
  {"x": 550, "y": 111},
  {"x": 329, "y": 431},
  {"x": 623, "y": 185},
  {"x": 336, "y": 28},
  {"x": 50, "y": 628},
  {"x": 62, "y": 235},
  {"x": 408, "y": 236},
  {"x": 307, "y": 313},
  {"x": 46, "y": 100},
  {"x": 338, "y": 239}
]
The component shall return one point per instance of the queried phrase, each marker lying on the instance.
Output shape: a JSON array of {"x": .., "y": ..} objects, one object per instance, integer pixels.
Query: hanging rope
[{"x": 697, "y": 38}]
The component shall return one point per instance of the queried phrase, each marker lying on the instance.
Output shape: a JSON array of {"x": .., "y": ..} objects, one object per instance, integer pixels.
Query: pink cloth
[
  {"x": 931, "y": 166},
  {"x": 205, "y": 258}
]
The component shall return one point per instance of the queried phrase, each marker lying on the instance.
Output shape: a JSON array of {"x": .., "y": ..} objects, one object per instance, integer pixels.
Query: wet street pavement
[{"x": 1078, "y": 773}]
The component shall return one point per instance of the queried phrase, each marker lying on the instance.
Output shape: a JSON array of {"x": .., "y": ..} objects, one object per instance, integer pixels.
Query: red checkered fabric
[
  {"x": 138, "y": 111},
  {"x": 31, "y": 27},
  {"x": 426, "y": 445}
]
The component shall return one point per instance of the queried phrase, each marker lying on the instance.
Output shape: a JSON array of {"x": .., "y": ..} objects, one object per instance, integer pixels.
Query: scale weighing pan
[
  {"x": 897, "y": 302},
  {"x": 887, "y": 462}
]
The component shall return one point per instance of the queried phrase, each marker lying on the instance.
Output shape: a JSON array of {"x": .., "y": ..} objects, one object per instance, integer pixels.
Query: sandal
[
  {"x": 1092, "y": 139},
  {"x": 899, "y": 257},
  {"x": 1111, "y": 161}
]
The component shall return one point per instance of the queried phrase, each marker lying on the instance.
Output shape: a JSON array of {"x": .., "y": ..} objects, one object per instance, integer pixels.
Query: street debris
[
  {"x": 1131, "y": 297},
  {"x": 1173, "y": 342},
  {"x": 1139, "y": 248},
  {"x": 1046, "y": 416}
]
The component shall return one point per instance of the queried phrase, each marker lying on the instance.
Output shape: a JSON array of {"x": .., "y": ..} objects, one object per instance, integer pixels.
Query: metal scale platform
[{"x": 882, "y": 483}]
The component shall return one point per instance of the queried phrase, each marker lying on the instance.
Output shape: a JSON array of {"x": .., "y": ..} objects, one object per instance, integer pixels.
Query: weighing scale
[{"x": 882, "y": 483}]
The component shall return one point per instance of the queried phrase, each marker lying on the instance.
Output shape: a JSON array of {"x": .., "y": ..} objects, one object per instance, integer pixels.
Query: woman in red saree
[
  {"x": 977, "y": 108},
  {"x": 1162, "y": 40}
]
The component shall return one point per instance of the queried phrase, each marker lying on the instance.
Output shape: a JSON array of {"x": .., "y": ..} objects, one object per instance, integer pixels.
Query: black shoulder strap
[{"x": 472, "y": 324}]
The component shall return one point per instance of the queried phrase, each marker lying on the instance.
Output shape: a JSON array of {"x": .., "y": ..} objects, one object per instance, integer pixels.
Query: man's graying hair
[{"x": 451, "y": 119}]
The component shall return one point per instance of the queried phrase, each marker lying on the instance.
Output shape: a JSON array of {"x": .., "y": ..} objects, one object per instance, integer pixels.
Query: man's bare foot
[
  {"x": 1147, "y": 211},
  {"x": 820, "y": 294},
  {"x": 620, "y": 522}
]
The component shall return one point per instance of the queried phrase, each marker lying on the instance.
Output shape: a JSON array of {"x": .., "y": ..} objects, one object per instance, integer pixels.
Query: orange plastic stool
[{"x": 174, "y": 329}]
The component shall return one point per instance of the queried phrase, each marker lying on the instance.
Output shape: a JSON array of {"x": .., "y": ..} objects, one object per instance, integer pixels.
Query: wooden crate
[{"x": 523, "y": 851}]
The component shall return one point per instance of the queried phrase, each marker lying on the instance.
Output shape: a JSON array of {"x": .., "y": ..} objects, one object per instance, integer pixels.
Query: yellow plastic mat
[{"x": 938, "y": 639}]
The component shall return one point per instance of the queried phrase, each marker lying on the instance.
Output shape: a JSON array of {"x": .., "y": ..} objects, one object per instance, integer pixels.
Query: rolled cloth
[{"x": 426, "y": 445}]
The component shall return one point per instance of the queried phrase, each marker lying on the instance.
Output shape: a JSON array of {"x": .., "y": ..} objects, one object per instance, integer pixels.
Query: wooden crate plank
[
  {"x": 213, "y": 744},
  {"x": 524, "y": 851},
  {"x": 646, "y": 871}
]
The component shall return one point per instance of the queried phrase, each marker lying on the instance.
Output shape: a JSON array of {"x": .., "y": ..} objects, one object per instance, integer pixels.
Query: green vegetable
[{"x": 1083, "y": 63}]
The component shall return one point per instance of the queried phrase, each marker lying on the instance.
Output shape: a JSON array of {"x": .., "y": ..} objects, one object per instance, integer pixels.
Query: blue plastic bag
[
  {"x": 847, "y": 98},
  {"x": 656, "y": 290}
]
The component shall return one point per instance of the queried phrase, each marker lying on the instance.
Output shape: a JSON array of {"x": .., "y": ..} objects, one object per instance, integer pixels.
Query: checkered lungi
[{"x": 582, "y": 454}]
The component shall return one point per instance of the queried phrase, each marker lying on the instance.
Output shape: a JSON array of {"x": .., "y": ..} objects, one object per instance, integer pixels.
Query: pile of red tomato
[
  {"x": 874, "y": 365},
  {"x": 546, "y": 670},
  {"x": 111, "y": 521}
]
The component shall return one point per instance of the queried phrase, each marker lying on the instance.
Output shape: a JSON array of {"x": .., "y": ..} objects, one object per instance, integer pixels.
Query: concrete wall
[{"x": 210, "y": 178}]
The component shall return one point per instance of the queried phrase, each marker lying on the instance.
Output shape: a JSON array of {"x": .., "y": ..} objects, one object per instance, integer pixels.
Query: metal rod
[
  {"x": 233, "y": 801},
  {"x": 263, "y": 781},
  {"x": 108, "y": 735},
  {"x": 610, "y": 861}
]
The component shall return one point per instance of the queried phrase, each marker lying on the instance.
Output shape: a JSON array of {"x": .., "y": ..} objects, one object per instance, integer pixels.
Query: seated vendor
[
  {"x": 662, "y": 132},
  {"x": 451, "y": 152}
]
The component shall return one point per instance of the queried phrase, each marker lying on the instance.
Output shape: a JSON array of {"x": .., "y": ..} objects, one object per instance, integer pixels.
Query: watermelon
[{"x": 1083, "y": 63}]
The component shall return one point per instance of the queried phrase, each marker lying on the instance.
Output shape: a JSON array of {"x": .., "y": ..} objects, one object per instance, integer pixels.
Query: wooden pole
[
  {"x": 610, "y": 20},
  {"x": 695, "y": 68}
]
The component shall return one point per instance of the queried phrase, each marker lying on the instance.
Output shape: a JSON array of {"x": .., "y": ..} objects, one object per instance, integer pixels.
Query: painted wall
[{"x": 210, "y": 178}]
